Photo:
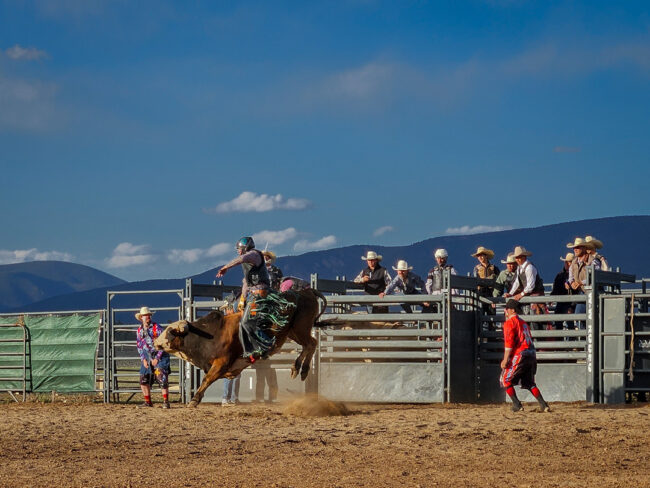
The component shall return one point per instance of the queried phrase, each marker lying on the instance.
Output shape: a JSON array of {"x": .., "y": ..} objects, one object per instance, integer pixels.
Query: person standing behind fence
[
  {"x": 406, "y": 282},
  {"x": 561, "y": 288},
  {"x": 434, "y": 278},
  {"x": 275, "y": 274},
  {"x": 506, "y": 277},
  {"x": 154, "y": 364},
  {"x": 519, "y": 364},
  {"x": 485, "y": 270},
  {"x": 375, "y": 278},
  {"x": 604, "y": 265},
  {"x": 527, "y": 282},
  {"x": 578, "y": 271}
]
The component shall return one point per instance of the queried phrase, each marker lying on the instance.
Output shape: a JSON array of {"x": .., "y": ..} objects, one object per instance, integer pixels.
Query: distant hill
[
  {"x": 625, "y": 239},
  {"x": 25, "y": 283}
]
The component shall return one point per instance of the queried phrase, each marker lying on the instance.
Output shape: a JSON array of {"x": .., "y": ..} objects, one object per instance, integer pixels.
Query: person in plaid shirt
[{"x": 155, "y": 364}]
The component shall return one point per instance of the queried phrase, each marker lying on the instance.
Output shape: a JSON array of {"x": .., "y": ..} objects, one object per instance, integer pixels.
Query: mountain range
[{"x": 76, "y": 287}]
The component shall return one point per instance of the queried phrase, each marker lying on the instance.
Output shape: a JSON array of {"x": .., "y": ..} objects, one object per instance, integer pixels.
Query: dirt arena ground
[{"x": 88, "y": 444}]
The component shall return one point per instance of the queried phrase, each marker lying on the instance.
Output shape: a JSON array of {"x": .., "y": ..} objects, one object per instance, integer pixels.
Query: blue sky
[{"x": 144, "y": 138}]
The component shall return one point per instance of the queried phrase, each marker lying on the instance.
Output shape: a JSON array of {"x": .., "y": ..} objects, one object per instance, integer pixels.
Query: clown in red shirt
[{"x": 519, "y": 363}]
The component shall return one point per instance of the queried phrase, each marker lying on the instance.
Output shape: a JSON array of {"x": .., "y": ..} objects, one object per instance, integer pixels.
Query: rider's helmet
[{"x": 245, "y": 243}]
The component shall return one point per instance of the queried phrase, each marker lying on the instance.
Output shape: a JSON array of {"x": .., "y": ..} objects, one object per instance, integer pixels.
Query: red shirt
[{"x": 516, "y": 335}]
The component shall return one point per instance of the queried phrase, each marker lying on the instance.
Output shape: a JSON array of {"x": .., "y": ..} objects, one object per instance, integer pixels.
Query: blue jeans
[
  {"x": 581, "y": 308},
  {"x": 231, "y": 389}
]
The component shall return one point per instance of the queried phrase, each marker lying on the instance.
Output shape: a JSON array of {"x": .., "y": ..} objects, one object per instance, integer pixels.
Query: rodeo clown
[
  {"x": 155, "y": 364},
  {"x": 519, "y": 363},
  {"x": 259, "y": 303}
]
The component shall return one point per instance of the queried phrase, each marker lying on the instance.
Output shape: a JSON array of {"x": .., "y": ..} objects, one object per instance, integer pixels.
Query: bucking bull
[{"x": 212, "y": 342}]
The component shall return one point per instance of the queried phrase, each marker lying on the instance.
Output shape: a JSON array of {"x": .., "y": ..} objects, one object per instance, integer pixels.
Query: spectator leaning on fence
[
  {"x": 519, "y": 364},
  {"x": 154, "y": 364},
  {"x": 506, "y": 277},
  {"x": 604, "y": 265},
  {"x": 578, "y": 270},
  {"x": 485, "y": 269},
  {"x": 561, "y": 288},
  {"x": 527, "y": 281},
  {"x": 434, "y": 278},
  {"x": 406, "y": 282},
  {"x": 375, "y": 278}
]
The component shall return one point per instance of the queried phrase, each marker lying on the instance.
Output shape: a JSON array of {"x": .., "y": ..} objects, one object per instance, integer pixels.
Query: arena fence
[{"x": 450, "y": 353}]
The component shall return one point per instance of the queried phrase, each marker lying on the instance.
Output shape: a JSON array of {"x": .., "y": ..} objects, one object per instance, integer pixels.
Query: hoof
[
  {"x": 294, "y": 373},
  {"x": 304, "y": 373},
  {"x": 193, "y": 404}
]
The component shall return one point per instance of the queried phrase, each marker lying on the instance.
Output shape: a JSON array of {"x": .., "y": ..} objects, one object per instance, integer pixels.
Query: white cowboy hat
[
  {"x": 484, "y": 250},
  {"x": 580, "y": 242},
  {"x": 402, "y": 266},
  {"x": 441, "y": 253},
  {"x": 595, "y": 242},
  {"x": 372, "y": 255},
  {"x": 569, "y": 257},
  {"x": 143, "y": 311},
  {"x": 509, "y": 260},
  {"x": 521, "y": 251}
]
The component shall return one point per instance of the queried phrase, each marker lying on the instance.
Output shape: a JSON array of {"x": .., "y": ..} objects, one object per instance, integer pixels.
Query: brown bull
[{"x": 212, "y": 342}]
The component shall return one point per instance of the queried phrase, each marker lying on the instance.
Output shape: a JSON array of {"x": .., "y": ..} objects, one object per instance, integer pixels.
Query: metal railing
[{"x": 23, "y": 367}]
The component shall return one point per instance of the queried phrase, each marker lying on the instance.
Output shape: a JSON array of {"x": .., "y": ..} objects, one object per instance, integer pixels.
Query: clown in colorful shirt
[{"x": 155, "y": 365}]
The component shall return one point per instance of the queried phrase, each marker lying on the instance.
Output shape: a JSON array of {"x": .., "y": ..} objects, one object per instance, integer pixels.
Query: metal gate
[
  {"x": 121, "y": 359},
  {"x": 398, "y": 356},
  {"x": 624, "y": 348}
]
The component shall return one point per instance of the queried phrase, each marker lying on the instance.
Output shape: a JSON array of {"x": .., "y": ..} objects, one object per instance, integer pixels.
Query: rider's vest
[{"x": 256, "y": 275}]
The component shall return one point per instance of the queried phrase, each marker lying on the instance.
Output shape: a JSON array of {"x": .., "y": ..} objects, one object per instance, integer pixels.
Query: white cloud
[
  {"x": 219, "y": 249},
  {"x": 24, "y": 255},
  {"x": 190, "y": 256},
  {"x": 127, "y": 254},
  {"x": 325, "y": 242},
  {"x": 477, "y": 229},
  {"x": 20, "y": 53},
  {"x": 382, "y": 230},
  {"x": 250, "y": 201},
  {"x": 27, "y": 105},
  {"x": 274, "y": 237},
  {"x": 368, "y": 80}
]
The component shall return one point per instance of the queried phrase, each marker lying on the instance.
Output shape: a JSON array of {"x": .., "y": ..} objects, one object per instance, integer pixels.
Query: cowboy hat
[
  {"x": 569, "y": 257},
  {"x": 143, "y": 311},
  {"x": 402, "y": 266},
  {"x": 441, "y": 253},
  {"x": 580, "y": 242},
  {"x": 269, "y": 254},
  {"x": 595, "y": 242},
  {"x": 521, "y": 251},
  {"x": 371, "y": 255},
  {"x": 509, "y": 260},
  {"x": 483, "y": 250}
]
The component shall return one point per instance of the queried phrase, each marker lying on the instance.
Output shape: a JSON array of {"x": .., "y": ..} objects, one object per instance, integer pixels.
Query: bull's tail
[{"x": 322, "y": 306}]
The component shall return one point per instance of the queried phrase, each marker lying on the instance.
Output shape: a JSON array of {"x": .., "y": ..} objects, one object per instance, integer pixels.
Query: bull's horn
[{"x": 181, "y": 331}]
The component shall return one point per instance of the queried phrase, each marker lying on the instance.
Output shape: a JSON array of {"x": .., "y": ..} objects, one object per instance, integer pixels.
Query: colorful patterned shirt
[{"x": 144, "y": 342}]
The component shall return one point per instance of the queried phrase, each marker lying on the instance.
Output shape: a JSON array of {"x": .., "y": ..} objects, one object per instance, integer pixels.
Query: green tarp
[{"x": 61, "y": 353}]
